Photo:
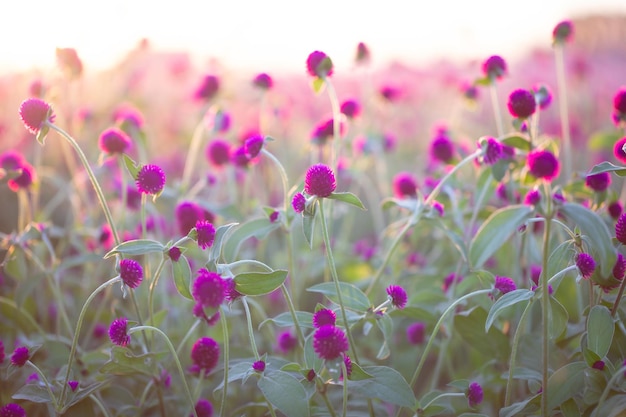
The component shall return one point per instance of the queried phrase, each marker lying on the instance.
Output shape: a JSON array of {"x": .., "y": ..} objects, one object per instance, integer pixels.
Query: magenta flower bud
[
  {"x": 118, "y": 332},
  {"x": 404, "y": 185},
  {"x": 208, "y": 88},
  {"x": 253, "y": 146},
  {"x": 619, "y": 105},
  {"x": 351, "y": 108},
  {"x": 319, "y": 181},
  {"x": 615, "y": 209},
  {"x": 618, "y": 150},
  {"x": 287, "y": 342},
  {"x": 263, "y": 81},
  {"x": 504, "y": 284},
  {"x": 205, "y": 232},
  {"x": 532, "y": 198},
  {"x": 208, "y": 289},
  {"x": 598, "y": 182},
  {"x": 12, "y": 410},
  {"x": 11, "y": 160},
  {"x": 620, "y": 229},
  {"x": 2, "y": 353},
  {"x": 329, "y": 342},
  {"x": 239, "y": 158},
  {"x": 619, "y": 269},
  {"x": 348, "y": 362},
  {"x": 259, "y": 366},
  {"x": 298, "y": 202},
  {"x": 599, "y": 365},
  {"x": 390, "y": 93},
  {"x": 585, "y": 264},
  {"x": 397, "y": 295},
  {"x": 493, "y": 151},
  {"x": 203, "y": 408},
  {"x": 543, "y": 96},
  {"x": 543, "y": 164},
  {"x": 363, "y": 54},
  {"x": 114, "y": 141},
  {"x": 73, "y": 385},
  {"x": 150, "y": 179},
  {"x": 415, "y": 333},
  {"x": 439, "y": 208},
  {"x": 521, "y": 103},
  {"x": 131, "y": 272},
  {"x": 318, "y": 64},
  {"x": 204, "y": 354},
  {"x": 474, "y": 394},
  {"x": 274, "y": 216},
  {"x": 24, "y": 180},
  {"x": 230, "y": 291},
  {"x": 323, "y": 317},
  {"x": 563, "y": 31},
  {"x": 34, "y": 113},
  {"x": 494, "y": 67},
  {"x": 20, "y": 356},
  {"x": 187, "y": 215}
]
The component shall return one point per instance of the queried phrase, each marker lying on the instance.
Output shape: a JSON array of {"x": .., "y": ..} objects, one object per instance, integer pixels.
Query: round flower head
[
  {"x": 442, "y": 149},
  {"x": 521, "y": 103},
  {"x": 205, "y": 234},
  {"x": 318, "y": 64},
  {"x": 298, "y": 202},
  {"x": 24, "y": 180},
  {"x": 11, "y": 160},
  {"x": 329, "y": 342},
  {"x": 12, "y": 410},
  {"x": 504, "y": 284},
  {"x": 404, "y": 185},
  {"x": 287, "y": 341},
  {"x": 208, "y": 289},
  {"x": 118, "y": 332},
  {"x": 239, "y": 158},
  {"x": 398, "y": 297},
  {"x": 325, "y": 131},
  {"x": 474, "y": 394},
  {"x": 615, "y": 209},
  {"x": 73, "y": 385},
  {"x": 598, "y": 182},
  {"x": 351, "y": 108},
  {"x": 150, "y": 179},
  {"x": 205, "y": 354},
  {"x": 585, "y": 264},
  {"x": 543, "y": 96},
  {"x": 494, "y": 67},
  {"x": 263, "y": 81},
  {"x": 187, "y": 215},
  {"x": 20, "y": 356},
  {"x": 113, "y": 141},
  {"x": 390, "y": 93},
  {"x": 131, "y": 272},
  {"x": 128, "y": 115},
  {"x": 253, "y": 146},
  {"x": 619, "y": 269},
  {"x": 230, "y": 291},
  {"x": 620, "y": 229},
  {"x": 618, "y": 150},
  {"x": 532, "y": 198},
  {"x": 563, "y": 31},
  {"x": 415, "y": 333},
  {"x": 543, "y": 164},
  {"x": 363, "y": 54},
  {"x": 34, "y": 113},
  {"x": 493, "y": 151},
  {"x": 207, "y": 88},
  {"x": 174, "y": 253},
  {"x": 619, "y": 105},
  {"x": 348, "y": 362},
  {"x": 323, "y": 317},
  {"x": 319, "y": 181},
  {"x": 203, "y": 408},
  {"x": 259, "y": 366}
]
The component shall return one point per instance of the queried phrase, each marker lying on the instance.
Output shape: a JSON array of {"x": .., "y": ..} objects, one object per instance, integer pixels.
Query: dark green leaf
[
  {"x": 182, "y": 276},
  {"x": 136, "y": 247},
  {"x": 612, "y": 407},
  {"x": 353, "y": 298},
  {"x": 517, "y": 141},
  {"x": 566, "y": 383},
  {"x": 257, "y": 228},
  {"x": 386, "y": 384},
  {"x": 608, "y": 167},
  {"x": 499, "y": 169},
  {"x": 558, "y": 319},
  {"x": 284, "y": 392},
  {"x": 125, "y": 362},
  {"x": 33, "y": 392},
  {"x": 258, "y": 283},
  {"x": 600, "y": 329},
  {"x": 311, "y": 360},
  {"x": 348, "y": 198},
  {"x": 559, "y": 259},
  {"x": 358, "y": 373},
  {"x": 507, "y": 300}
]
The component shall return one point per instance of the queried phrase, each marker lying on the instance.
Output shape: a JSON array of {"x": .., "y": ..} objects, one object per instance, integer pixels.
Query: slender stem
[
  {"x": 92, "y": 178},
  {"x": 545, "y": 311},
  {"x": 142, "y": 216},
  {"x": 226, "y": 360},
  {"x": 283, "y": 176},
  {"x": 139, "y": 319},
  {"x": 292, "y": 310},
  {"x": 187, "y": 336},
  {"x": 176, "y": 360},
  {"x": 435, "y": 192},
  {"x": 45, "y": 381},
  {"x": 322, "y": 393},
  {"x": 334, "y": 103},
  {"x": 618, "y": 298},
  {"x": 194, "y": 147},
  {"x": 250, "y": 330},
  {"x": 153, "y": 284},
  {"x": 123, "y": 185},
  {"x": 513, "y": 361},
  {"x": 333, "y": 272},
  {"x": 100, "y": 405},
  {"x": 344, "y": 371},
  {"x": 564, "y": 115},
  {"x": 496, "y": 108},
  {"x": 443, "y": 395}
]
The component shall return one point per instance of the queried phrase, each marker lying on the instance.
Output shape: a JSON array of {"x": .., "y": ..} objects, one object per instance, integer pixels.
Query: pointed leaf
[
  {"x": 348, "y": 198},
  {"x": 566, "y": 383},
  {"x": 284, "y": 392},
  {"x": 257, "y": 228},
  {"x": 311, "y": 360},
  {"x": 305, "y": 319},
  {"x": 216, "y": 249},
  {"x": 386, "y": 384},
  {"x": 318, "y": 85},
  {"x": 558, "y": 319},
  {"x": 608, "y": 167},
  {"x": 507, "y": 300},
  {"x": 34, "y": 393},
  {"x": 85, "y": 392},
  {"x": 385, "y": 324},
  {"x": 136, "y": 247},
  {"x": 131, "y": 166},
  {"x": 600, "y": 329},
  {"x": 353, "y": 298},
  {"x": 517, "y": 141},
  {"x": 258, "y": 283},
  {"x": 182, "y": 276},
  {"x": 308, "y": 225},
  {"x": 125, "y": 362}
]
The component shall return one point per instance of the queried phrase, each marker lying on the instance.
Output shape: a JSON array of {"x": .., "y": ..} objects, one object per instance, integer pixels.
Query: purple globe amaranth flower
[
  {"x": 325, "y": 131},
  {"x": 563, "y": 31},
  {"x": 329, "y": 342},
  {"x": 73, "y": 385},
  {"x": 274, "y": 216},
  {"x": 439, "y": 208},
  {"x": 114, "y": 141},
  {"x": 205, "y": 353},
  {"x": 319, "y": 181},
  {"x": 127, "y": 115},
  {"x": 24, "y": 180},
  {"x": 253, "y": 145},
  {"x": 324, "y": 317},
  {"x": 20, "y": 356},
  {"x": 619, "y": 105},
  {"x": 187, "y": 215},
  {"x": 543, "y": 96},
  {"x": 504, "y": 284},
  {"x": 239, "y": 158},
  {"x": 318, "y": 64},
  {"x": 11, "y": 160},
  {"x": 493, "y": 151},
  {"x": 619, "y": 269},
  {"x": 543, "y": 164},
  {"x": 205, "y": 232},
  {"x": 533, "y": 197},
  {"x": 203, "y": 408},
  {"x": 397, "y": 295},
  {"x": 620, "y": 229},
  {"x": 230, "y": 291},
  {"x": 12, "y": 410},
  {"x": 286, "y": 341},
  {"x": 351, "y": 108},
  {"x": 363, "y": 54},
  {"x": 208, "y": 289},
  {"x": 348, "y": 363},
  {"x": 415, "y": 333},
  {"x": 218, "y": 152},
  {"x": 521, "y": 103},
  {"x": 208, "y": 88},
  {"x": 598, "y": 182},
  {"x": 150, "y": 179},
  {"x": 131, "y": 272},
  {"x": 259, "y": 366},
  {"x": 450, "y": 279},
  {"x": 599, "y": 365},
  {"x": 390, "y": 93},
  {"x": 263, "y": 81},
  {"x": 34, "y": 113},
  {"x": 118, "y": 332},
  {"x": 615, "y": 209},
  {"x": 298, "y": 202},
  {"x": 618, "y": 150},
  {"x": 474, "y": 394},
  {"x": 404, "y": 185},
  {"x": 494, "y": 67},
  {"x": 585, "y": 264},
  {"x": 441, "y": 147}
]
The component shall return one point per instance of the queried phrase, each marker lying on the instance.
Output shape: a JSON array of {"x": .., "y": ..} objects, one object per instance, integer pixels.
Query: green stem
[
  {"x": 562, "y": 88},
  {"x": 226, "y": 360},
  {"x": 496, "y": 108},
  {"x": 292, "y": 310},
  {"x": 545, "y": 311},
  {"x": 46, "y": 383},
  {"x": 250, "y": 330},
  {"x": 192, "y": 155},
  {"x": 334, "y": 104},
  {"x": 153, "y": 284},
  {"x": 618, "y": 298},
  {"x": 333, "y": 272},
  {"x": 283, "y": 177},
  {"x": 123, "y": 185},
  {"x": 616, "y": 377},
  {"x": 92, "y": 178},
  {"x": 444, "y": 395},
  {"x": 187, "y": 336},
  {"x": 513, "y": 361},
  {"x": 100, "y": 405},
  {"x": 344, "y": 370},
  {"x": 176, "y": 360}
]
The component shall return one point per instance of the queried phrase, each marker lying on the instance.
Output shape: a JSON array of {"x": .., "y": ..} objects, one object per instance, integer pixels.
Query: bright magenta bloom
[
  {"x": 521, "y": 103},
  {"x": 442, "y": 148},
  {"x": 620, "y": 229},
  {"x": 619, "y": 269},
  {"x": 598, "y": 182},
  {"x": 204, "y": 408},
  {"x": 204, "y": 354},
  {"x": 563, "y": 31},
  {"x": 543, "y": 164},
  {"x": 20, "y": 356},
  {"x": 398, "y": 297},
  {"x": 494, "y": 67},
  {"x": 73, "y": 385},
  {"x": 415, "y": 333},
  {"x": 319, "y": 181},
  {"x": 351, "y": 108},
  {"x": 150, "y": 179},
  {"x": 118, "y": 332},
  {"x": 474, "y": 394},
  {"x": 131, "y": 272},
  {"x": 586, "y": 265},
  {"x": 208, "y": 289},
  {"x": 12, "y": 410},
  {"x": 187, "y": 215},
  {"x": 318, "y": 64},
  {"x": 329, "y": 342},
  {"x": 253, "y": 145},
  {"x": 532, "y": 198},
  {"x": 493, "y": 152},
  {"x": 298, "y": 202},
  {"x": 24, "y": 180},
  {"x": 205, "y": 233},
  {"x": 263, "y": 81},
  {"x": 505, "y": 284},
  {"x": 618, "y": 150},
  {"x": 34, "y": 113},
  {"x": 114, "y": 141},
  {"x": 404, "y": 185},
  {"x": 287, "y": 341},
  {"x": 208, "y": 88},
  {"x": 323, "y": 317},
  {"x": 258, "y": 366},
  {"x": 615, "y": 209}
]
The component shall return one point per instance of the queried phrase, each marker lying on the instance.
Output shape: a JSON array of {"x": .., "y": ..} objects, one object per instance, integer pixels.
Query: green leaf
[
  {"x": 305, "y": 319},
  {"x": 348, "y": 198},
  {"x": 385, "y": 324},
  {"x": 612, "y": 407},
  {"x": 603, "y": 141},
  {"x": 386, "y": 384},
  {"x": 353, "y": 298},
  {"x": 19, "y": 317},
  {"x": 507, "y": 300},
  {"x": 136, "y": 247},
  {"x": 34, "y": 393},
  {"x": 318, "y": 85},
  {"x": 592, "y": 225},
  {"x": 257, "y": 228},
  {"x": 182, "y": 276},
  {"x": 600, "y": 329},
  {"x": 471, "y": 327},
  {"x": 558, "y": 319},
  {"x": 125, "y": 362},
  {"x": 522, "y": 408},
  {"x": 608, "y": 167},
  {"x": 559, "y": 259},
  {"x": 311, "y": 360},
  {"x": 132, "y": 167},
  {"x": 495, "y": 231},
  {"x": 358, "y": 373},
  {"x": 566, "y": 383},
  {"x": 258, "y": 283},
  {"x": 284, "y": 392},
  {"x": 43, "y": 132},
  {"x": 216, "y": 249},
  {"x": 84, "y": 392},
  {"x": 308, "y": 225},
  {"x": 499, "y": 169},
  {"x": 517, "y": 141}
]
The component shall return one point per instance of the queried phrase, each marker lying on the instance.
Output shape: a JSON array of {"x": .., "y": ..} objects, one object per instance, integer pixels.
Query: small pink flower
[
  {"x": 398, "y": 297},
  {"x": 319, "y": 181},
  {"x": 12, "y": 410},
  {"x": 474, "y": 394},
  {"x": 203, "y": 408},
  {"x": 351, "y": 108},
  {"x": 615, "y": 209},
  {"x": 24, "y": 180},
  {"x": 348, "y": 363},
  {"x": 253, "y": 146},
  {"x": 298, "y": 202},
  {"x": 114, "y": 141},
  {"x": 363, "y": 54},
  {"x": 599, "y": 365},
  {"x": 620, "y": 229},
  {"x": 543, "y": 164},
  {"x": 34, "y": 113},
  {"x": 20, "y": 356},
  {"x": 150, "y": 179},
  {"x": 619, "y": 105},
  {"x": 415, "y": 333},
  {"x": 618, "y": 150},
  {"x": 208, "y": 88},
  {"x": 204, "y": 354},
  {"x": 442, "y": 148},
  {"x": 73, "y": 385},
  {"x": 323, "y": 317},
  {"x": 493, "y": 151},
  {"x": 131, "y": 272},
  {"x": 187, "y": 215},
  {"x": 259, "y": 366},
  {"x": 585, "y": 264},
  {"x": 118, "y": 332},
  {"x": 205, "y": 232},
  {"x": 287, "y": 341},
  {"x": 404, "y": 185},
  {"x": 521, "y": 103},
  {"x": 563, "y": 31},
  {"x": 504, "y": 284},
  {"x": 543, "y": 96},
  {"x": 263, "y": 81},
  {"x": 318, "y": 64},
  {"x": 329, "y": 342},
  {"x": 208, "y": 289},
  {"x": 174, "y": 253},
  {"x": 239, "y": 158},
  {"x": 494, "y": 67},
  {"x": 532, "y": 197},
  {"x": 598, "y": 182}
]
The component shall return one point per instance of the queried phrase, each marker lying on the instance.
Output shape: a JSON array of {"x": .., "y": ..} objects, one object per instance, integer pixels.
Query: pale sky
[{"x": 268, "y": 35}]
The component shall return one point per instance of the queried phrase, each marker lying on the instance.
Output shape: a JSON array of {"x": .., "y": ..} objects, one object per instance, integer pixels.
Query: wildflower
[
  {"x": 253, "y": 146},
  {"x": 239, "y": 158},
  {"x": 208, "y": 88},
  {"x": 441, "y": 148},
  {"x": 187, "y": 215},
  {"x": 73, "y": 385},
  {"x": 131, "y": 272},
  {"x": 415, "y": 333},
  {"x": 598, "y": 182},
  {"x": 543, "y": 96},
  {"x": 24, "y": 180},
  {"x": 390, "y": 93},
  {"x": 449, "y": 280},
  {"x": 494, "y": 67},
  {"x": 619, "y": 105},
  {"x": 439, "y": 208},
  {"x": 287, "y": 341},
  {"x": 20, "y": 356},
  {"x": 323, "y": 317},
  {"x": 274, "y": 216},
  {"x": 319, "y": 181},
  {"x": 329, "y": 342},
  {"x": 474, "y": 394},
  {"x": 11, "y": 160},
  {"x": 493, "y": 151},
  {"x": 404, "y": 185},
  {"x": 35, "y": 113},
  {"x": 599, "y": 365},
  {"x": 318, "y": 64},
  {"x": 543, "y": 164},
  {"x": 174, "y": 253},
  {"x": 118, "y": 332},
  {"x": 298, "y": 202},
  {"x": 348, "y": 363},
  {"x": 397, "y": 295},
  {"x": 532, "y": 197},
  {"x": 12, "y": 410},
  {"x": 619, "y": 269},
  {"x": 521, "y": 103},
  {"x": 208, "y": 289},
  {"x": 351, "y": 108},
  {"x": 259, "y": 366},
  {"x": 563, "y": 31},
  {"x": 469, "y": 91},
  {"x": 310, "y": 376},
  {"x": 504, "y": 284},
  {"x": 99, "y": 331},
  {"x": 205, "y": 233},
  {"x": 113, "y": 141},
  {"x": 325, "y": 130},
  {"x": 618, "y": 150},
  {"x": 127, "y": 115},
  {"x": 203, "y": 408},
  {"x": 150, "y": 179},
  {"x": 204, "y": 355},
  {"x": 615, "y": 209},
  {"x": 620, "y": 229},
  {"x": 363, "y": 54},
  {"x": 263, "y": 81}
]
